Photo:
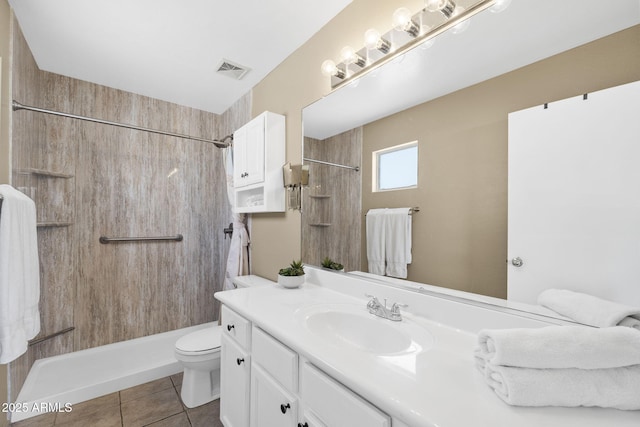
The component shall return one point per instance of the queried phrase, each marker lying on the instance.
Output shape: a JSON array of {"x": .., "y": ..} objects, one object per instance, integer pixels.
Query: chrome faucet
[{"x": 380, "y": 310}]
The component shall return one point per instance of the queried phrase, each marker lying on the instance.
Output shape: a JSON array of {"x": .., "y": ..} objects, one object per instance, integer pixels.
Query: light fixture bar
[{"x": 400, "y": 50}]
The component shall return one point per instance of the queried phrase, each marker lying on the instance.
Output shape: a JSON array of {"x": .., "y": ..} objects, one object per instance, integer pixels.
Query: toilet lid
[{"x": 202, "y": 340}]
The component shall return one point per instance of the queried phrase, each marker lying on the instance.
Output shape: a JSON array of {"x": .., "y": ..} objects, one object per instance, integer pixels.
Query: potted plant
[
  {"x": 292, "y": 276},
  {"x": 332, "y": 265}
]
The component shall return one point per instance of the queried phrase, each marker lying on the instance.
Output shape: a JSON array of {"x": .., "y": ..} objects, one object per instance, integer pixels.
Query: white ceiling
[
  {"x": 495, "y": 43},
  {"x": 170, "y": 49}
]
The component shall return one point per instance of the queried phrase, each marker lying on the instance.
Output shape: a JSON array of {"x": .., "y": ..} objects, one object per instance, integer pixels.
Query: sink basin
[{"x": 356, "y": 328}]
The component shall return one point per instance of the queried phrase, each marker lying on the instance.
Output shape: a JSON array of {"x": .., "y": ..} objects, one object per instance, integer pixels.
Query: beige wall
[
  {"x": 462, "y": 186},
  {"x": 296, "y": 83},
  {"x": 5, "y": 153}
]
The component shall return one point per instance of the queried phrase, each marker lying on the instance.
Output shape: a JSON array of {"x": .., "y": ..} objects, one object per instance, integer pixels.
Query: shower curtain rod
[
  {"x": 218, "y": 143},
  {"x": 355, "y": 168}
]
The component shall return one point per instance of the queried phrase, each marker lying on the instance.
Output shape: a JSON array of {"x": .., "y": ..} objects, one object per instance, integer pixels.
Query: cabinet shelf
[
  {"x": 43, "y": 173},
  {"x": 46, "y": 224},
  {"x": 320, "y": 196},
  {"x": 320, "y": 224}
]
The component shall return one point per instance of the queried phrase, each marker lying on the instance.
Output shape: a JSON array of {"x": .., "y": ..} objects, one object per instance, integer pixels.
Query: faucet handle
[
  {"x": 395, "y": 308},
  {"x": 374, "y": 303}
]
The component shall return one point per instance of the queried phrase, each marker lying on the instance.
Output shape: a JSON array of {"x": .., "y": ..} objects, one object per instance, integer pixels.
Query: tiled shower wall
[
  {"x": 118, "y": 182},
  {"x": 332, "y": 203}
]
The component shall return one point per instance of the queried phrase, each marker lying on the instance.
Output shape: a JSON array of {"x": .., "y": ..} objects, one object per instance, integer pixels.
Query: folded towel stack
[
  {"x": 590, "y": 310},
  {"x": 562, "y": 366}
]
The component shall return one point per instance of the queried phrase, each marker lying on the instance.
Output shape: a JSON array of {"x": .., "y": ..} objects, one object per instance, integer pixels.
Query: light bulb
[
  {"x": 444, "y": 6},
  {"x": 329, "y": 68},
  {"x": 373, "y": 40},
  {"x": 349, "y": 56},
  {"x": 402, "y": 21}
]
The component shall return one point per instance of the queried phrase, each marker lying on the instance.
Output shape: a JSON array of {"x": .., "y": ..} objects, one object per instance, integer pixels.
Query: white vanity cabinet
[
  {"x": 258, "y": 156},
  {"x": 264, "y": 383}
]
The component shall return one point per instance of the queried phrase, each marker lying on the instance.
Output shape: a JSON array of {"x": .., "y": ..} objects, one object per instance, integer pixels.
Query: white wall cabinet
[
  {"x": 258, "y": 155},
  {"x": 282, "y": 388}
]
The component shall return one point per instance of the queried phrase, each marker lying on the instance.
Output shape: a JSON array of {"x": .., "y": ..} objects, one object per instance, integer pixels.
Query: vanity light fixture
[
  {"x": 403, "y": 21},
  {"x": 379, "y": 49}
]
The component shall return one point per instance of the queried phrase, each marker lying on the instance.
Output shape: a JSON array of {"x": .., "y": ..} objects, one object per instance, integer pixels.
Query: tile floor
[{"x": 154, "y": 404}]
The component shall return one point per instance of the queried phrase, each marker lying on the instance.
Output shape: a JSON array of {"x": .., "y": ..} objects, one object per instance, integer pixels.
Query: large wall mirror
[{"x": 454, "y": 97}]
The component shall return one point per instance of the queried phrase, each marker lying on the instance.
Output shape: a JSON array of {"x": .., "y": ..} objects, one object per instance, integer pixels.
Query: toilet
[{"x": 199, "y": 353}]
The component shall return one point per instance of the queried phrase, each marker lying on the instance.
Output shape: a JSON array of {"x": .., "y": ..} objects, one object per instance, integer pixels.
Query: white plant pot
[{"x": 290, "y": 281}]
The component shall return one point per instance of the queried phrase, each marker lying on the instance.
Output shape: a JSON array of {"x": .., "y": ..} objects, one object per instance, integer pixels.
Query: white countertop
[{"x": 436, "y": 387}]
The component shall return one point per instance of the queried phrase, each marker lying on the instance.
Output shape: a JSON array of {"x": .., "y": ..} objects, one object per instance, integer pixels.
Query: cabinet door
[
  {"x": 234, "y": 384},
  {"x": 271, "y": 405},
  {"x": 239, "y": 156},
  {"x": 254, "y": 151}
]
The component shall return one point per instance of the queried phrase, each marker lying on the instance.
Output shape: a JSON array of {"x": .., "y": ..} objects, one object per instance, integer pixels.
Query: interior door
[{"x": 574, "y": 197}]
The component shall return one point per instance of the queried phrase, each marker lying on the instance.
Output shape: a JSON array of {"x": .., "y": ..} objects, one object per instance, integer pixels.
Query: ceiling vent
[{"x": 232, "y": 70}]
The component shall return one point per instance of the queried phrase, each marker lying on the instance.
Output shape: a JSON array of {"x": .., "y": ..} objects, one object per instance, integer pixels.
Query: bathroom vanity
[{"x": 316, "y": 356}]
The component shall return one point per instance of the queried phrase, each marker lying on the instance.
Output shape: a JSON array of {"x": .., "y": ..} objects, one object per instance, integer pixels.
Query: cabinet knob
[
  {"x": 239, "y": 361},
  {"x": 284, "y": 408},
  {"x": 303, "y": 425},
  {"x": 230, "y": 327}
]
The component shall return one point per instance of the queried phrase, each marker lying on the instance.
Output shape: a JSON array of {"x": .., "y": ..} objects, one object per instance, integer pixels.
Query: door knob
[{"x": 517, "y": 262}]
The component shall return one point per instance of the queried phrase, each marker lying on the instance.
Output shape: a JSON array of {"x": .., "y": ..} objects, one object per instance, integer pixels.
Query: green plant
[
  {"x": 295, "y": 269},
  {"x": 328, "y": 263}
]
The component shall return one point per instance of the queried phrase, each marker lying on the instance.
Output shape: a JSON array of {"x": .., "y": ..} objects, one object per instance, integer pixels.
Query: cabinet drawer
[
  {"x": 336, "y": 405},
  {"x": 277, "y": 359},
  {"x": 236, "y": 326}
]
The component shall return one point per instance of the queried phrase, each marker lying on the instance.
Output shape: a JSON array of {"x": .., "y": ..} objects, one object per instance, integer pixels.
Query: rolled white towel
[
  {"x": 590, "y": 310},
  {"x": 608, "y": 388},
  {"x": 561, "y": 347}
]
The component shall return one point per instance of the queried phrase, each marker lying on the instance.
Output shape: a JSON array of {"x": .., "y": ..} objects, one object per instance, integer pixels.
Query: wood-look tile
[
  {"x": 103, "y": 411},
  {"x": 145, "y": 389},
  {"x": 206, "y": 415},
  {"x": 178, "y": 420},
  {"x": 177, "y": 379},
  {"x": 151, "y": 408}
]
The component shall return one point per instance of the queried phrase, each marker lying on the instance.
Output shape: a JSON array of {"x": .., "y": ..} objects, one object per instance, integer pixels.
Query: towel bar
[
  {"x": 47, "y": 337},
  {"x": 104, "y": 240},
  {"x": 411, "y": 210}
]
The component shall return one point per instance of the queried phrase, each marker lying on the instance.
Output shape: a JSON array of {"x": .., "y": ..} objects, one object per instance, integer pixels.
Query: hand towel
[
  {"x": 561, "y": 347},
  {"x": 19, "y": 274},
  {"x": 608, "y": 388},
  {"x": 588, "y": 309},
  {"x": 397, "y": 242},
  {"x": 375, "y": 227}
]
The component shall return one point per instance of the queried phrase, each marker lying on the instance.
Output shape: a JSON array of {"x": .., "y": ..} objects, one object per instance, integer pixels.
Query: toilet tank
[{"x": 250, "y": 281}]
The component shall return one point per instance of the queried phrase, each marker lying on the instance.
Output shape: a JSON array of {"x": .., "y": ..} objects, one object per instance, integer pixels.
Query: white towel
[
  {"x": 375, "y": 226},
  {"x": 19, "y": 274},
  {"x": 397, "y": 242},
  {"x": 609, "y": 388},
  {"x": 589, "y": 310},
  {"x": 560, "y": 347}
]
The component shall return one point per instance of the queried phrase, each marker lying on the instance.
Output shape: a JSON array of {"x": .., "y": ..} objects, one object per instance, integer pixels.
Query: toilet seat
[{"x": 200, "y": 342}]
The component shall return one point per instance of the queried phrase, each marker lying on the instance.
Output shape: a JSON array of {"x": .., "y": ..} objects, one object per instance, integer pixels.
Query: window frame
[{"x": 375, "y": 176}]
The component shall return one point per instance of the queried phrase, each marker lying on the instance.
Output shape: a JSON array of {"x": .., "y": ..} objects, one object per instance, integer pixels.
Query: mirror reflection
[{"x": 454, "y": 98}]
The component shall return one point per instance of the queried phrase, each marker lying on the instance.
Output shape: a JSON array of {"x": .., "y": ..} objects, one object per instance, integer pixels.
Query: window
[{"x": 396, "y": 168}]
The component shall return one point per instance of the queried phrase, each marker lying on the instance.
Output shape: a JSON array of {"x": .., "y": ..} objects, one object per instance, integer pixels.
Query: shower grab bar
[
  {"x": 104, "y": 240},
  {"x": 47, "y": 337}
]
